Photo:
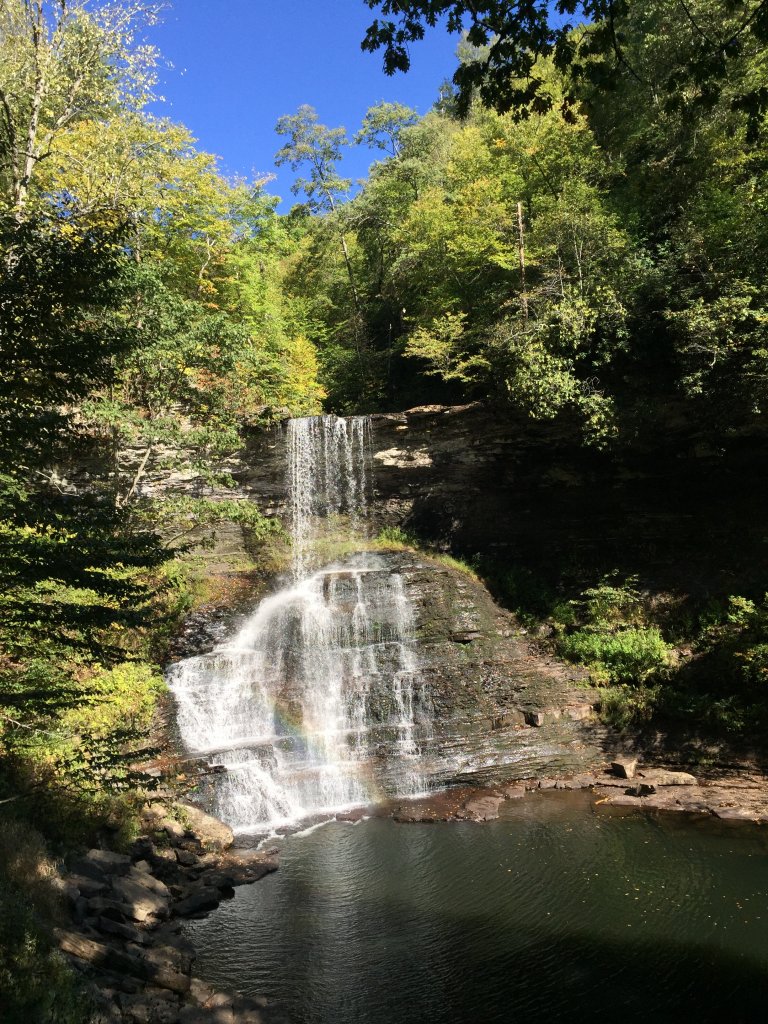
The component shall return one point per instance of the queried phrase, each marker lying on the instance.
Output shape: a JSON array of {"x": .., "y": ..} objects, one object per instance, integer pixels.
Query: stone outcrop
[{"x": 478, "y": 479}]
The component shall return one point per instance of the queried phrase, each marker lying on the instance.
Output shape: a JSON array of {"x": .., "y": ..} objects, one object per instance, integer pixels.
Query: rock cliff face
[
  {"x": 478, "y": 481},
  {"x": 497, "y": 710}
]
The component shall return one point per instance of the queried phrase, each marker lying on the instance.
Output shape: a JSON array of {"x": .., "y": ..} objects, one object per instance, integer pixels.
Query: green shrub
[
  {"x": 611, "y": 603},
  {"x": 627, "y": 655}
]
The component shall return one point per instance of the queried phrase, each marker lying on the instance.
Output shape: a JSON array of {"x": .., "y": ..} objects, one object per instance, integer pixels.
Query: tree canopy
[{"x": 586, "y": 38}]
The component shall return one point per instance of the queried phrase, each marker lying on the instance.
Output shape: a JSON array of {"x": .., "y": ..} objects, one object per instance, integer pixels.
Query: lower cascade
[{"x": 317, "y": 703}]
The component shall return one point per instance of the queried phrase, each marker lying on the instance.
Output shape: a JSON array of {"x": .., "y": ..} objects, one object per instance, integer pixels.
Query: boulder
[
  {"x": 165, "y": 958},
  {"x": 102, "y": 954},
  {"x": 247, "y": 1010},
  {"x": 198, "y": 902},
  {"x": 624, "y": 767},
  {"x": 173, "y": 829},
  {"x": 242, "y": 871},
  {"x": 579, "y": 712},
  {"x": 147, "y": 1009},
  {"x": 197, "y": 1015},
  {"x": 514, "y": 792},
  {"x": 109, "y": 862},
  {"x": 186, "y": 858},
  {"x": 212, "y": 833},
  {"x": 143, "y": 877},
  {"x": 200, "y": 992},
  {"x": 89, "y": 886},
  {"x": 576, "y": 782},
  {"x": 102, "y": 906},
  {"x": 120, "y": 930}
]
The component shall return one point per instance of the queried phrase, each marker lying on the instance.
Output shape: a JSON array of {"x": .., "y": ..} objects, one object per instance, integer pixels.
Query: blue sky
[{"x": 239, "y": 65}]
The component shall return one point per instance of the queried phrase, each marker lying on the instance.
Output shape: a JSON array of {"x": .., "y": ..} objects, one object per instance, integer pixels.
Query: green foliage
[
  {"x": 182, "y": 515},
  {"x": 35, "y": 982},
  {"x": 628, "y": 706},
  {"x": 310, "y": 142},
  {"x": 58, "y": 331},
  {"x": 738, "y": 645},
  {"x": 627, "y": 655},
  {"x": 503, "y": 43},
  {"x": 383, "y": 126},
  {"x": 611, "y": 602}
]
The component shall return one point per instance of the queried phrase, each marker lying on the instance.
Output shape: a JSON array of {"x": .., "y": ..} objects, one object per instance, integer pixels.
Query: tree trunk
[
  {"x": 521, "y": 234},
  {"x": 21, "y": 184}
]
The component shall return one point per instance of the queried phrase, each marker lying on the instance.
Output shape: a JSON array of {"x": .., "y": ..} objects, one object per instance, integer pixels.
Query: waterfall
[{"x": 316, "y": 699}]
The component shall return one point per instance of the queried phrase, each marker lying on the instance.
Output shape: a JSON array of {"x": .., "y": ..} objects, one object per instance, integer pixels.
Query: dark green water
[{"x": 556, "y": 912}]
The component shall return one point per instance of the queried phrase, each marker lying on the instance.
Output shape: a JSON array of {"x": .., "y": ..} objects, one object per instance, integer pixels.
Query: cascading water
[{"x": 317, "y": 698}]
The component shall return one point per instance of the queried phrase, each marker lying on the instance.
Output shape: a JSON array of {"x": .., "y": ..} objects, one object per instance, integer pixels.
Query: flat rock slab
[
  {"x": 736, "y": 803},
  {"x": 662, "y": 777},
  {"x": 735, "y": 814}
]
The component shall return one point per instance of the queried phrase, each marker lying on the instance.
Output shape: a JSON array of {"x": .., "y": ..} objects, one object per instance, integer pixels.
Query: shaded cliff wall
[{"x": 674, "y": 511}]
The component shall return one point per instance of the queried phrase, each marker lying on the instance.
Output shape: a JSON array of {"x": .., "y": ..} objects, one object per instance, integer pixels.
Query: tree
[
  {"x": 320, "y": 147},
  {"x": 60, "y": 334},
  {"x": 62, "y": 62},
  {"x": 383, "y": 126}
]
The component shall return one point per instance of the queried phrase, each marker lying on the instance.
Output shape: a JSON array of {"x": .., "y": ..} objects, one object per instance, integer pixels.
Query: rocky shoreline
[
  {"x": 742, "y": 797},
  {"x": 127, "y": 918}
]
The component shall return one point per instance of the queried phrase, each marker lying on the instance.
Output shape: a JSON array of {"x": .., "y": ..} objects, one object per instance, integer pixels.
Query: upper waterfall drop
[
  {"x": 316, "y": 703},
  {"x": 329, "y": 472}
]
